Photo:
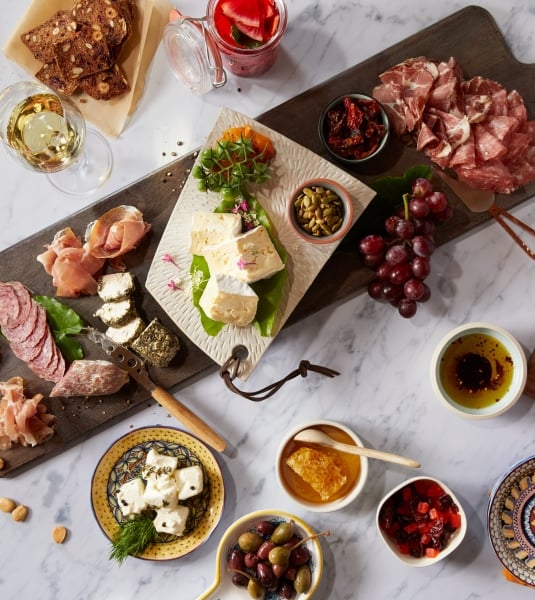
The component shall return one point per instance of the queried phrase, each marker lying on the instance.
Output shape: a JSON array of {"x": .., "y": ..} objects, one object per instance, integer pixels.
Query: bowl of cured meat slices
[{"x": 354, "y": 128}]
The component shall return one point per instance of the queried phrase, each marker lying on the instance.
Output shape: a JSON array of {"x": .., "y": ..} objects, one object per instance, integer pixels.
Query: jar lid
[{"x": 193, "y": 54}]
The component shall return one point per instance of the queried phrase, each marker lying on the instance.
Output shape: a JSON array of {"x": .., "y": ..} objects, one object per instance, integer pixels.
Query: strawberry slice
[{"x": 249, "y": 17}]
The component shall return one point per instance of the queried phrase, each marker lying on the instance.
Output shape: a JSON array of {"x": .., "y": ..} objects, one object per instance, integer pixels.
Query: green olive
[
  {"x": 279, "y": 555},
  {"x": 250, "y": 541},
  {"x": 256, "y": 590},
  {"x": 283, "y": 532},
  {"x": 303, "y": 579}
]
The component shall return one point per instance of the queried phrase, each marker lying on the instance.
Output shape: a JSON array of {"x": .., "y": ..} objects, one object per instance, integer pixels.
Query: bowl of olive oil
[{"x": 479, "y": 370}]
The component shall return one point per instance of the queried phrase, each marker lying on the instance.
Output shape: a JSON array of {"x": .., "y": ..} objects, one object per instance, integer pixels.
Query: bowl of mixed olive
[
  {"x": 268, "y": 555},
  {"x": 320, "y": 211}
]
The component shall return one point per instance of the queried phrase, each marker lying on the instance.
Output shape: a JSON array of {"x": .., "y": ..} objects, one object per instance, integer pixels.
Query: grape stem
[{"x": 406, "y": 206}]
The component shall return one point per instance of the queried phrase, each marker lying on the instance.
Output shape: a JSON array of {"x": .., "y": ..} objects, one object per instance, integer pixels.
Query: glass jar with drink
[{"x": 240, "y": 36}]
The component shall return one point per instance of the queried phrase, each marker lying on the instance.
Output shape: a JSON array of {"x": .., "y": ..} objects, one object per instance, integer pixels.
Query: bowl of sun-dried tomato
[
  {"x": 354, "y": 128},
  {"x": 421, "y": 521}
]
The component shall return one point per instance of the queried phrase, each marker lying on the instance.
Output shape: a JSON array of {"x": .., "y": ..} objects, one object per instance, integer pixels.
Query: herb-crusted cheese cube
[
  {"x": 250, "y": 257},
  {"x": 172, "y": 521},
  {"x": 209, "y": 228},
  {"x": 130, "y": 497},
  {"x": 229, "y": 300},
  {"x": 189, "y": 481}
]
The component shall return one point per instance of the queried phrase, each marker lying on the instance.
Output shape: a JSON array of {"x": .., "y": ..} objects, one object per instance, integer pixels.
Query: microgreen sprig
[{"x": 230, "y": 164}]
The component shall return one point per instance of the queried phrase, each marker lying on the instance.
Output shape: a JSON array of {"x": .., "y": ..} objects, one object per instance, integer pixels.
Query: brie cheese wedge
[
  {"x": 229, "y": 300},
  {"x": 249, "y": 257}
]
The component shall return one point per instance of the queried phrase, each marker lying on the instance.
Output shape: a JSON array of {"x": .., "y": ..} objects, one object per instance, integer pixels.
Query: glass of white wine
[{"x": 47, "y": 133}]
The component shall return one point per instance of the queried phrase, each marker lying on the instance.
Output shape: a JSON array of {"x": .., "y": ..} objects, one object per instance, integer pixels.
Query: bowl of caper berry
[
  {"x": 320, "y": 211},
  {"x": 268, "y": 554}
]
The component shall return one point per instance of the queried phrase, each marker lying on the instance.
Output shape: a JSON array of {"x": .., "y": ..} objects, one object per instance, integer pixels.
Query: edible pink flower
[
  {"x": 173, "y": 285},
  {"x": 169, "y": 259}
]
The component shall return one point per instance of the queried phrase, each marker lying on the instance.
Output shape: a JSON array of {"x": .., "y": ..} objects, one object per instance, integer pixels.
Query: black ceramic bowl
[{"x": 354, "y": 128}]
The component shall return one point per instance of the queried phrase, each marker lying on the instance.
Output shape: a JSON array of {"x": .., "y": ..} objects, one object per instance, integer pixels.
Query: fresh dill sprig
[{"x": 133, "y": 536}]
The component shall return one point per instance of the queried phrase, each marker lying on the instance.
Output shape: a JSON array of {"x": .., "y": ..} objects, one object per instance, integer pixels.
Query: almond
[
  {"x": 20, "y": 513},
  {"x": 7, "y": 505},
  {"x": 59, "y": 534}
]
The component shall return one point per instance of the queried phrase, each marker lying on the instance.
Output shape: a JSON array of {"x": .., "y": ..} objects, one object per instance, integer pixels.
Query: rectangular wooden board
[{"x": 471, "y": 35}]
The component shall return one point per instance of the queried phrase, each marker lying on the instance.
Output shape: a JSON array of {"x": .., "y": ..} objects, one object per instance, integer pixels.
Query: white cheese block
[
  {"x": 161, "y": 490},
  {"x": 116, "y": 286},
  {"x": 172, "y": 521},
  {"x": 158, "y": 464},
  {"x": 189, "y": 481},
  {"x": 250, "y": 256},
  {"x": 130, "y": 497},
  {"x": 126, "y": 334},
  {"x": 229, "y": 300},
  {"x": 209, "y": 228}
]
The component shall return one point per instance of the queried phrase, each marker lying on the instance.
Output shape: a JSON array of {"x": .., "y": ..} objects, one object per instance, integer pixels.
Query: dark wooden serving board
[{"x": 471, "y": 35}]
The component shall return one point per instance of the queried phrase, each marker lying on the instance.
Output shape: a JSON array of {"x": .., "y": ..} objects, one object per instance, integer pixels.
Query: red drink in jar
[{"x": 247, "y": 33}]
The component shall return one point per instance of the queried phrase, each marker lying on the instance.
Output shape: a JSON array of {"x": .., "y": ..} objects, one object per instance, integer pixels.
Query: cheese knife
[{"x": 134, "y": 366}]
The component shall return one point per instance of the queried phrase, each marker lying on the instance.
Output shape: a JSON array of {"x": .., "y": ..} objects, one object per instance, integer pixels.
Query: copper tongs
[{"x": 484, "y": 200}]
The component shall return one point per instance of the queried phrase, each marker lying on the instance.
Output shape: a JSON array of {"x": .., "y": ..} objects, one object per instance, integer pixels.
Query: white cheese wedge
[
  {"x": 209, "y": 228},
  {"x": 130, "y": 497},
  {"x": 229, "y": 300},
  {"x": 250, "y": 256},
  {"x": 158, "y": 464},
  {"x": 161, "y": 490},
  {"x": 172, "y": 521},
  {"x": 189, "y": 481}
]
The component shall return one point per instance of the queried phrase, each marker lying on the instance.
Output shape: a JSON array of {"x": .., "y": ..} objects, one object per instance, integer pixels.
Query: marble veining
[{"x": 383, "y": 390}]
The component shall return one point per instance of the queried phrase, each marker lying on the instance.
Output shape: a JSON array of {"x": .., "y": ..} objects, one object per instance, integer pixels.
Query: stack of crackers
[{"x": 79, "y": 48}]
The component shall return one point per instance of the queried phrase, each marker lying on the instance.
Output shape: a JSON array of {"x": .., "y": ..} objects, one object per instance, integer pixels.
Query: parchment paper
[{"x": 109, "y": 116}]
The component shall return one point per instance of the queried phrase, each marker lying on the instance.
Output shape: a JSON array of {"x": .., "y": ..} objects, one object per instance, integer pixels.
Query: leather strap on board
[{"x": 229, "y": 371}]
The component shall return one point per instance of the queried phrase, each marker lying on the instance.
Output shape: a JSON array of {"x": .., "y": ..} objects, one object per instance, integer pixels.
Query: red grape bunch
[{"x": 401, "y": 257}]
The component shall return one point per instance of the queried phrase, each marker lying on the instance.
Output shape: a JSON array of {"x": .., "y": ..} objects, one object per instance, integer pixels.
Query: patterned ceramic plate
[
  {"x": 124, "y": 460},
  {"x": 511, "y": 520},
  {"x": 293, "y": 165}
]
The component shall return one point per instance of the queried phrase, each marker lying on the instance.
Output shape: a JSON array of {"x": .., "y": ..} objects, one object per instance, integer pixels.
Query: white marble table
[{"x": 383, "y": 392}]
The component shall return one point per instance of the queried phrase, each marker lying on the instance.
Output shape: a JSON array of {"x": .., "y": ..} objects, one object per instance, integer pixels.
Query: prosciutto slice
[
  {"x": 23, "y": 420},
  {"x": 118, "y": 231},
  {"x": 475, "y": 126}
]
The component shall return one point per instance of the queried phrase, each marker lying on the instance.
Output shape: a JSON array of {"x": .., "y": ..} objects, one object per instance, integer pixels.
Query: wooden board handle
[{"x": 188, "y": 418}]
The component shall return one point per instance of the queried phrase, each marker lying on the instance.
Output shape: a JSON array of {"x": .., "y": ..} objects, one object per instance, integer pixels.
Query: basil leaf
[{"x": 64, "y": 322}]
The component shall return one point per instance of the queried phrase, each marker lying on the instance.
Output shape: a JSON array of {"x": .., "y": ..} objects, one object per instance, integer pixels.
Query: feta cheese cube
[
  {"x": 161, "y": 490},
  {"x": 130, "y": 497},
  {"x": 171, "y": 521},
  {"x": 229, "y": 300},
  {"x": 250, "y": 256},
  {"x": 158, "y": 464},
  {"x": 189, "y": 481},
  {"x": 209, "y": 228}
]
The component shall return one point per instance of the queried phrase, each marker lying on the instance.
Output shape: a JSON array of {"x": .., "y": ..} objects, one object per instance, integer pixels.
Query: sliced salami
[
  {"x": 9, "y": 305},
  {"x": 21, "y": 332},
  {"x": 90, "y": 378}
]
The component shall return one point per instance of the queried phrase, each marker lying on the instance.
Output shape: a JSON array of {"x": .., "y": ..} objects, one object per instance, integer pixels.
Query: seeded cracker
[
  {"x": 50, "y": 75},
  {"x": 86, "y": 54},
  {"x": 106, "y": 84},
  {"x": 112, "y": 18},
  {"x": 41, "y": 39}
]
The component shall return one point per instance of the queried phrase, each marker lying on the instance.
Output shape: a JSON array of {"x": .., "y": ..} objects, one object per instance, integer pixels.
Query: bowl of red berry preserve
[
  {"x": 354, "y": 128},
  {"x": 421, "y": 521},
  {"x": 400, "y": 251},
  {"x": 320, "y": 211}
]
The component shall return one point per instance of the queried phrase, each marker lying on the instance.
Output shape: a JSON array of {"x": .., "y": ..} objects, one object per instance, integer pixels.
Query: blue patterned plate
[
  {"x": 123, "y": 461},
  {"x": 511, "y": 520}
]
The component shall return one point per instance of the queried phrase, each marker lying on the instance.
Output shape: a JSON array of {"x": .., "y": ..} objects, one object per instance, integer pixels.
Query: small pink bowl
[{"x": 347, "y": 217}]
